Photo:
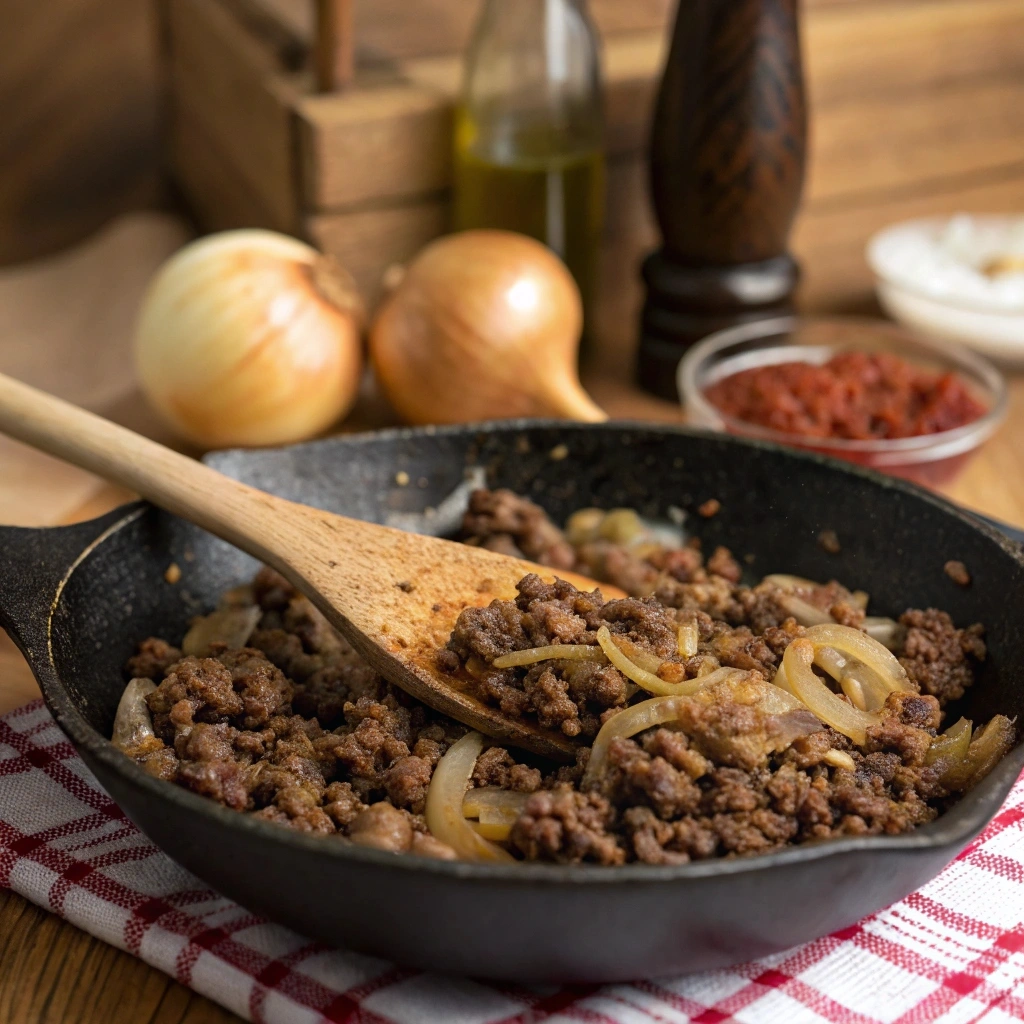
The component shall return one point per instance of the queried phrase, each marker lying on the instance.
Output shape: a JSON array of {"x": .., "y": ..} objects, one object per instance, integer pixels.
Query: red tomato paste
[{"x": 854, "y": 396}]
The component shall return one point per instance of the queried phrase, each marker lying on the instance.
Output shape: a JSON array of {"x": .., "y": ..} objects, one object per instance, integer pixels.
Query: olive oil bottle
[{"x": 529, "y": 149}]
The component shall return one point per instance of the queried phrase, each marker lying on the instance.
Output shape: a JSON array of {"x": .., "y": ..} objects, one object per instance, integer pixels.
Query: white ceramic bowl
[{"x": 928, "y": 278}]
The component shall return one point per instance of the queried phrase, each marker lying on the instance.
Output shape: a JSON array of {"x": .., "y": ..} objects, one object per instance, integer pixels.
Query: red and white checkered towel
[{"x": 953, "y": 952}]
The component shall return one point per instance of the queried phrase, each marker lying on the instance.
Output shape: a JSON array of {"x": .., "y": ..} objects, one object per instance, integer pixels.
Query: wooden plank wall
[
  {"x": 918, "y": 108},
  {"x": 78, "y": 113}
]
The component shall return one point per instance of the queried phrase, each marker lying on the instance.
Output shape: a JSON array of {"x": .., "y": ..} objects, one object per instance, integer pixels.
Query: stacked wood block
[{"x": 917, "y": 108}]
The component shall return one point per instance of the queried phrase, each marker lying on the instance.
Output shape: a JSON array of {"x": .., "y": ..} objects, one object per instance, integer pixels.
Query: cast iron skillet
[{"x": 77, "y": 600}]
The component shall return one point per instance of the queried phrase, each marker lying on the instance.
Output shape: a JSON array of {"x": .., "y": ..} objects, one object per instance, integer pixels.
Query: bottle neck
[{"x": 530, "y": 20}]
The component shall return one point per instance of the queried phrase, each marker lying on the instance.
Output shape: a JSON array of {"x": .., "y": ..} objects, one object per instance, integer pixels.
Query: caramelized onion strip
[
  {"x": 629, "y": 722},
  {"x": 888, "y": 632},
  {"x": 840, "y": 759},
  {"x": 855, "y": 644},
  {"x": 645, "y": 680},
  {"x": 560, "y": 652},
  {"x": 231, "y": 625},
  {"x": 987, "y": 749},
  {"x": 688, "y": 639},
  {"x": 805, "y": 613},
  {"x": 445, "y": 798},
  {"x": 807, "y": 687},
  {"x": 133, "y": 724},
  {"x": 861, "y": 684},
  {"x": 479, "y": 803},
  {"x": 951, "y": 745},
  {"x": 498, "y": 832},
  {"x": 636, "y": 654},
  {"x": 786, "y": 582}
]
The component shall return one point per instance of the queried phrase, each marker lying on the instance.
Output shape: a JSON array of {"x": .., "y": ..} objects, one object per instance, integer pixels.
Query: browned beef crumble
[{"x": 296, "y": 729}]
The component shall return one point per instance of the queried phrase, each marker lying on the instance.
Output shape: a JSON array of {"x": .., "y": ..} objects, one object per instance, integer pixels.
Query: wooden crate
[
  {"x": 365, "y": 172},
  {"x": 917, "y": 105}
]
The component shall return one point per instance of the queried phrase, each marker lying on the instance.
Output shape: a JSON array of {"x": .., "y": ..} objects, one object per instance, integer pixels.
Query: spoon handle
[{"x": 239, "y": 514}]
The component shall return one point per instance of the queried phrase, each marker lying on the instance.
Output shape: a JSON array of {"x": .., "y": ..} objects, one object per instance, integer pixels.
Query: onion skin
[
  {"x": 250, "y": 338},
  {"x": 484, "y": 325}
]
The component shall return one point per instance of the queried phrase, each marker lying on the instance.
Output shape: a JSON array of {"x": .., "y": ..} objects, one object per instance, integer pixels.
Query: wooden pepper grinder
[{"x": 727, "y": 169}]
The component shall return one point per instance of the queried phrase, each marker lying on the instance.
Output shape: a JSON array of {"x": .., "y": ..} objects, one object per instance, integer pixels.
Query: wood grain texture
[
  {"x": 334, "y": 49},
  {"x": 78, "y": 119},
  {"x": 231, "y": 83},
  {"x": 392, "y": 140},
  {"x": 856, "y": 49},
  {"x": 52, "y": 973},
  {"x": 394, "y": 30}
]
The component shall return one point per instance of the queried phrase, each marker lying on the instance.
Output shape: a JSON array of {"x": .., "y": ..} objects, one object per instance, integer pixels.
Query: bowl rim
[
  {"x": 960, "y": 439},
  {"x": 886, "y": 276},
  {"x": 949, "y": 832}
]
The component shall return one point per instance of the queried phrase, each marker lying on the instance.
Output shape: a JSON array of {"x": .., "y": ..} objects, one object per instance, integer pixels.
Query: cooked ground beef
[
  {"x": 296, "y": 729},
  {"x": 938, "y": 657}
]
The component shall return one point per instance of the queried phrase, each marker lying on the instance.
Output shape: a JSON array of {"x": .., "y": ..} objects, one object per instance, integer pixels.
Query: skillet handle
[{"x": 33, "y": 566}]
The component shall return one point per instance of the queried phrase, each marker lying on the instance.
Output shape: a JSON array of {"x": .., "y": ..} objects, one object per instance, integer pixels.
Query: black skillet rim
[{"x": 952, "y": 830}]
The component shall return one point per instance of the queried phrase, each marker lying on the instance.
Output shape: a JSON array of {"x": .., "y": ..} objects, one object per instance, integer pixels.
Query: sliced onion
[
  {"x": 861, "y": 684},
  {"x": 843, "y": 717},
  {"x": 486, "y": 799},
  {"x": 644, "y": 659},
  {"x": 776, "y": 701},
  {"x": 804, "y": 613},
  {"x": 232, "y": 625},
  {"x": 133, "y": 724},
  {"x": 689, "y": 639},
  {"x": 951, "y": 745},
  {"x": 985, "y": 752},
  {"x": 444, "y": 802},
  {"x": 498, "y": 832},
  {"x": 840, "y": 759},
  {"x": 786, "y": 582},
  {"x": 629, "y": 722},
  {"x": 645, "y": 680},
  {"x": 856, "y": 644},
  {"x": 496, "y": 822},
  {"x": 782, "y": 681},
  {"x": 888, "y": 632},
  {"x": 560, "y": 652}
]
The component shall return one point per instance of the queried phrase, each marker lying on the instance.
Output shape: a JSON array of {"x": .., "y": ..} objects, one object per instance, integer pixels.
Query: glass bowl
[{"x": 929, "y": 459}]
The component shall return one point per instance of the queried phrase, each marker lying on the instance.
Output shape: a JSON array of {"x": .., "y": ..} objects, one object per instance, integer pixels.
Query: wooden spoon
[{"x": 394, "y": 596}]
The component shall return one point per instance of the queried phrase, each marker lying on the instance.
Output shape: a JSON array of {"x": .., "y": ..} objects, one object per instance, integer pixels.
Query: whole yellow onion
[
  {"x": 250, "y": 338},
  {"x": 483, "y": 325}
]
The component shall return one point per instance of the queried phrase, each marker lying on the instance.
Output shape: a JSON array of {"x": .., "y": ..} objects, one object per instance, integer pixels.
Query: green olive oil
[{"x": 558, "y": 199}]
